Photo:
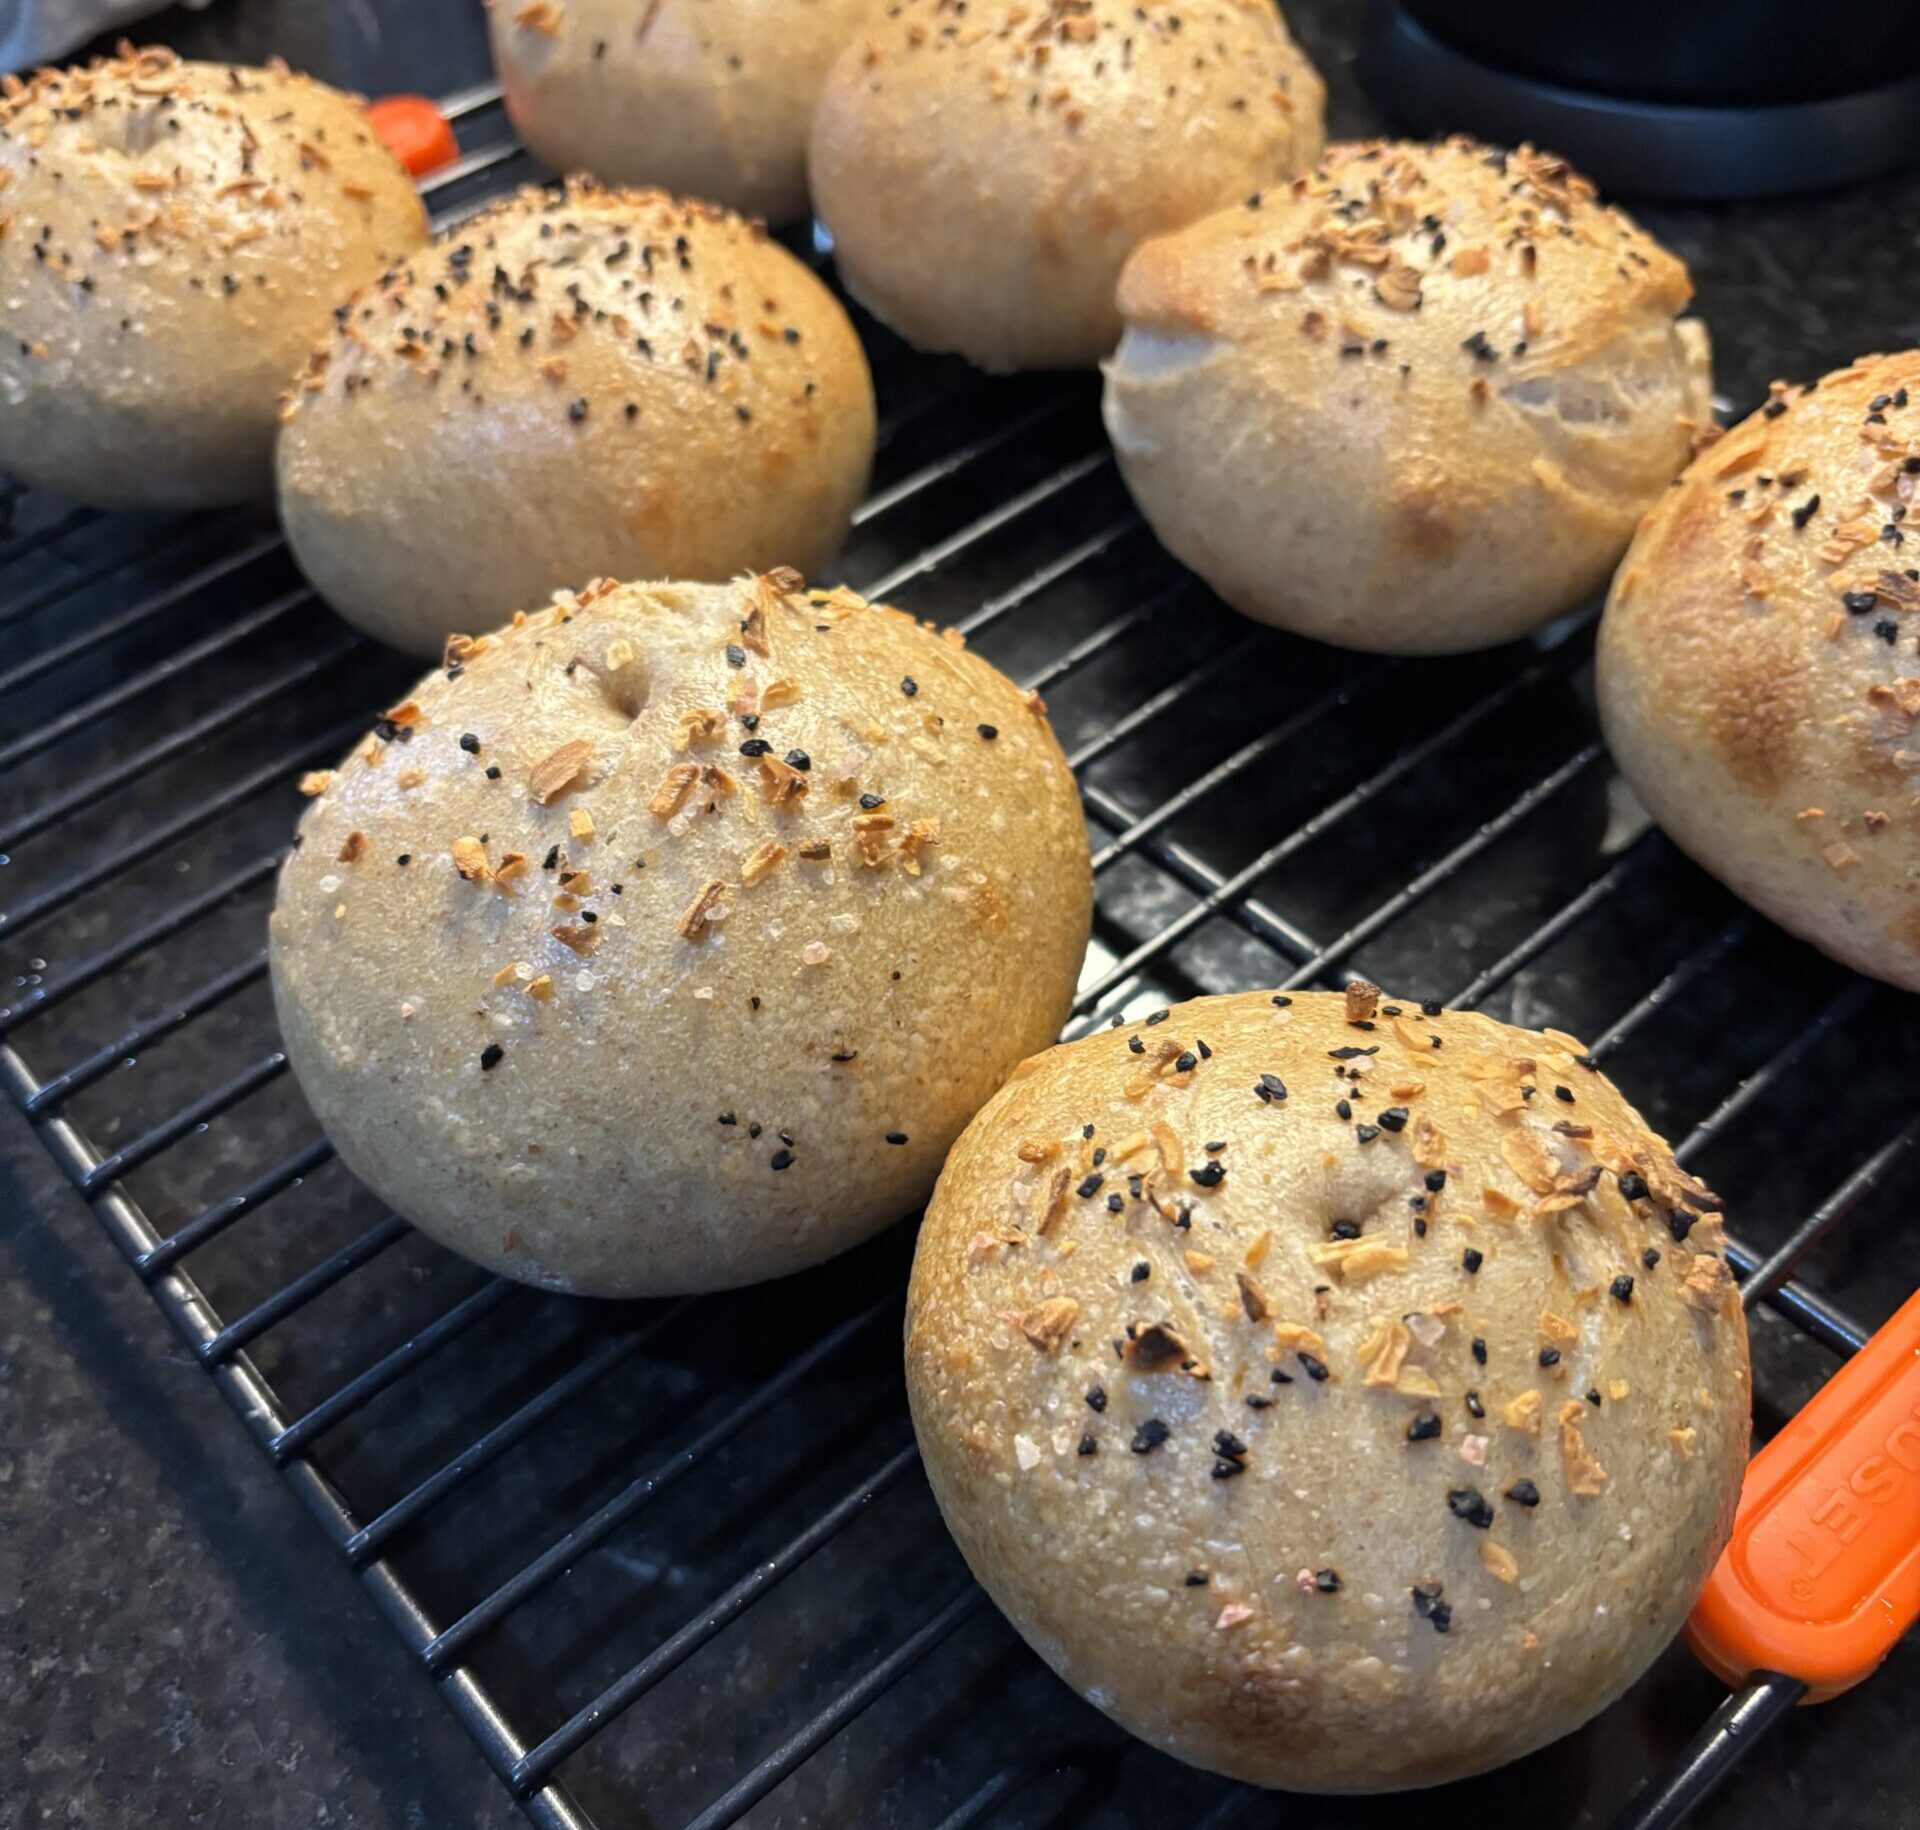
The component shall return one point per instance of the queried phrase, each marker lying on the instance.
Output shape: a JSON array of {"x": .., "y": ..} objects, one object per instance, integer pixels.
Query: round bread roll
[
  {"x": 1758, "y": 678},
  {"x": 173, "y": 237},
  {"x": 986, "y": 173},
  {"x": 1341, "y": 1396},
  {"x": 578, "y": 383},
  {"x": 710, "y": 98},
  {"x": 667, "y": 938},
  {"x": 1413, "y": 403}
]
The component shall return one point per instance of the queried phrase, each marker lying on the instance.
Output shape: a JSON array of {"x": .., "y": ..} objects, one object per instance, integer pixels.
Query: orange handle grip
[
  {"x": 416, "y": 132},
  {"x": 1823, "y": 1573}
]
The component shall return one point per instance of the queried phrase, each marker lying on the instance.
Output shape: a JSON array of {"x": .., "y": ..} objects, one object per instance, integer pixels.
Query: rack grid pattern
[{"x": 670, "y": 1562}]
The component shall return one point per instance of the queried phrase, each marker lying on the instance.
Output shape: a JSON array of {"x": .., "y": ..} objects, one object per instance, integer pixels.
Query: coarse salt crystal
[
  {"x": 1473, "y": 1449},
  {"x": 814, "y": 953},
  {"x": 1027, "y": 1452}
]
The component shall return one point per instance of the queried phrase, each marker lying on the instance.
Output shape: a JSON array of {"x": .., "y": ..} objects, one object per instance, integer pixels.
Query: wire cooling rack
[{"x": 674, "y": 1563}]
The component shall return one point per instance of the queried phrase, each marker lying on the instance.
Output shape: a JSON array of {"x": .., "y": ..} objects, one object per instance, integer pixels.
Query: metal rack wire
[{"x": 470, "y": 1447}]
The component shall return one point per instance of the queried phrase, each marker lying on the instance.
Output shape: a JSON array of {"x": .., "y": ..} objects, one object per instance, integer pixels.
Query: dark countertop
[{"x": 175, "y": 1647}]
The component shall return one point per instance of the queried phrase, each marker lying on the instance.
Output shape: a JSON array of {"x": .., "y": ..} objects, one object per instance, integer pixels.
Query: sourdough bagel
[
  {"x": 707, "y": 98},
  {"x": 573, "y": 383},
  {"x": 1343, "y": 1397},
  {"x": 664, "y": 940},
  {"x": 985, "y": 166},
  {"x": 1758, "y": 677},
  {"x": 173, "y": 237},
  {"x": 1414, "y": 402}
]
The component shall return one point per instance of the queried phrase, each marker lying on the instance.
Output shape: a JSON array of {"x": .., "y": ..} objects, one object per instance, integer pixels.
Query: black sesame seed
[
  {"x": 1280, "y": 1003},
  {"x": 1472, "y": 1260},
  {"x": 1593, "y": 1396},
  {"x": 781, "y": 1159},
  {"x": 1097, "y": 1398},
  {"x": 736, "y": 655},
  {"x": 1316, "y": 1367},
  {"x": 1366, "y": 1133},
  {"x": 1479, "y": 1351},
  {"x": 1345, "y": 1229},
  {"x": 896, "y": 1137},
  {"x": 1136, "y": 1046},
  {"x": 1186, "y": 1061},
  {"x": 1650, "y": 1257},
  {"x": 1089, "y": 1187},
  {"x": 1279, "y": 1376},
  {"x": 1621, "y": 1289},
  {"x": 1474, "y": 1407},
  {"x": 756, "y": 746},
  {"x": 1344, "y": 1108},
  {"x": 493, "y": 772},
  {"x": 1469, "y": 1504},
  {"x": 1633, "y": 1187},
  {"x": 1680, "y": 1223},
  {"x": 1424, "y": 1427},
  {"x": 1549, "y": 1356},
  {"x": 405, "y": 858},
  {"x": 470, "y": 743},
  {"x": 1159, "y": 1016},
  {"x": 799, "y": 759},
  {"x": 1149, "y": 1436},
  {"x": 1859, "y": 602},
  {"x": 1394, "y": 1118},
  {"x": 909, "y": 686},
  {"x": 1197, "y": 1578},
  {"x": 1564, "y": 1094},
  {"x": 1524, "y": 1493},
  {"x": 1327, "y": 1581},
  {"x": 988, "y": 731},
  {"x": 871, "y": 801},
  {"x": 1271, "y": 1087},
  {"x": 1805, "y": 512},
  {"x": 1209, "y": 1175},
  {"x": 1436, "y": 1180},
  {"x": 490, "y": 1056},
  {"x": 1087, "y": 1445}
]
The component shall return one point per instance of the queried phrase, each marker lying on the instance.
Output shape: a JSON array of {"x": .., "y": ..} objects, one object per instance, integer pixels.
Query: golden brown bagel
[
  {"x": 986, "y": 167},
  {"x": 173, "y": 237},
  {"x": 1759, "y": 663},
  {"x": 706, "y": 98},
  {"x": 1325, "y": 1394},
  {"x": 1414, "y": 402},
  {"x": 578, "y": 383},
  {"x": 596, "y": 994}
]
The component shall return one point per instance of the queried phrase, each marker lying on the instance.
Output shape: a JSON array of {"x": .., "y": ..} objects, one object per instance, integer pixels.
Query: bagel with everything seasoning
[
  {"x": 664, "y": 940},
  {"x": 573, "y": 384},
  {"x": 173, "y": 237},
  {"x": 1759, "y": 663},
  {"x": 1413, "y": 402},
  {"x": 709, "y": 98},
  {"x": 1342, "y": 1395},
  {"x": 985, "y": 166}
]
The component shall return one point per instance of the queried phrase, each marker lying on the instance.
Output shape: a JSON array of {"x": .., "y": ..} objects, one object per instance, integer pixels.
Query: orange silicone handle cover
[
  {"x": 1823, "y": 1573},
  {"x": 416, "y": 132}
]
